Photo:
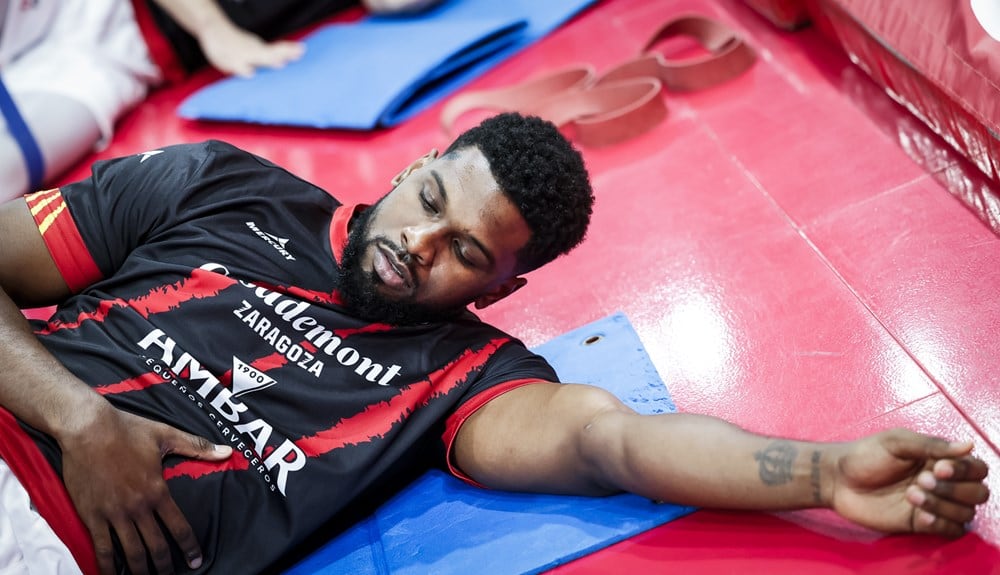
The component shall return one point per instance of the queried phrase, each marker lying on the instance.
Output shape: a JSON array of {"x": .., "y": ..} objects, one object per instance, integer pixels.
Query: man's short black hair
[{"x": 543, "y": 175}]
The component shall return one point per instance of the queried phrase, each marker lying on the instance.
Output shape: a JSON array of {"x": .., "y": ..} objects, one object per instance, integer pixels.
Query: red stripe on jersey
[
  {"x": 46, "y": 490},
  {"x": 201, "y": 284},
  {"x": 269, "y": 362},
  {"x": 310, "y": 295},
  {"x": 370, "y": 328},
  {"x": 377, "y": 420},
  {"x": 139, "y": 383},
  {"x": 195, "y": 468},
  {"x": 63, "y": 239},
  {"x": 98, "y": 314}
]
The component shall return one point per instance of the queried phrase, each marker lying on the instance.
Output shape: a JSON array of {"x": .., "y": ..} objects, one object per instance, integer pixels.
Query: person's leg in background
[
  {"x": 64, "y": 131},
  {"x": 70, "y": 88}
]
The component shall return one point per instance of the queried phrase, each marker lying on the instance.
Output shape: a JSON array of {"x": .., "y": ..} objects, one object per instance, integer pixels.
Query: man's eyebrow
[
  {"x": 444, "y": 200},
  {"x": 440, "y": 185}
]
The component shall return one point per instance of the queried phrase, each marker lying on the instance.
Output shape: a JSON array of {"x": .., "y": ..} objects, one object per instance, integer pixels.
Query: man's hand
[
  {"x": 900, "y": 481},
  {"x": 113, "y": 470},
  {"x": 232, "y": 50}
]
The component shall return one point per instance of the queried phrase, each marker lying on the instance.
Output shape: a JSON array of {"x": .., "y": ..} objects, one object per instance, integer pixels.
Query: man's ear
[
  {"x": 503, "y": 290},
  {"x": 415, "y": 164}
]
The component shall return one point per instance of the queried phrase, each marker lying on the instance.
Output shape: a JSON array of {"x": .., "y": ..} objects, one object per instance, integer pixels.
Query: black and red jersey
[{"x": 204, "y": 280}]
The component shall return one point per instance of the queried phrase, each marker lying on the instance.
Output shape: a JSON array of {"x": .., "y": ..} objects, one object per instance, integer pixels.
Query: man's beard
[{"x": 357, "y": 286}]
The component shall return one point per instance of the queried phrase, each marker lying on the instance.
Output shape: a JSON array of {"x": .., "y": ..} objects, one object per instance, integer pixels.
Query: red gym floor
[{"x": 789, "y": 247}]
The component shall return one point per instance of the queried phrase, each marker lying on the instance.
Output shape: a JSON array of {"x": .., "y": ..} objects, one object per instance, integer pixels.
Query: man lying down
[{"x": 234, "y": 345}]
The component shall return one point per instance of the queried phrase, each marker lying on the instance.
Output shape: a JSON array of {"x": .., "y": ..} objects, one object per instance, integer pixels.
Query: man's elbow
[{"x": 601, "y": 439}]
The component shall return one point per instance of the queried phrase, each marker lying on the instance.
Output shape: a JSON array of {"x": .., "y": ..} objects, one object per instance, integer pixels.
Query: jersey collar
[{"x": 339, "y": 228}]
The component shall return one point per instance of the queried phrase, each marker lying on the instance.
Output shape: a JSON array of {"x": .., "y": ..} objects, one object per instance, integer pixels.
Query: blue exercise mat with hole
[{"x": 442, "y": 525}]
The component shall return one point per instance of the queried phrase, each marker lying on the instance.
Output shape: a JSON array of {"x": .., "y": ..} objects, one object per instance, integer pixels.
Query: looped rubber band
[{"x": 625, "y": 101}]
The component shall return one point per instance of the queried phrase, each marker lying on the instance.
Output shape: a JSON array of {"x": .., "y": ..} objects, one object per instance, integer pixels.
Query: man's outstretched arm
[
  {"x": 112, "y": 460},
  {"x": 580, "y": 439}
]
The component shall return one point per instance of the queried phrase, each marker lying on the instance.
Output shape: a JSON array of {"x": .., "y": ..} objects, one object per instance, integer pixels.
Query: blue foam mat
[
  {"x": 381, "y": 71},
  {"x": 441, "y": 525}
]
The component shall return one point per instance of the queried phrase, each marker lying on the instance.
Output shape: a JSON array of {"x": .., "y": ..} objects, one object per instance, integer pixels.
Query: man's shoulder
[
  {"x": 212, "y": 148},
  {"x": 501, "y": 356},
  {"x": 180, "y": 160},
  {"x": 223, "y": 162},
  {"x": 471, "y": 327}
]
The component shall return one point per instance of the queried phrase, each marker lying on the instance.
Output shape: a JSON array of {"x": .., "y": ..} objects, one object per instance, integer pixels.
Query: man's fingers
[
  {"x": 940, "y": 507},
  {"x": 156, "y": 545},
  {"x": 103, "y": 548},
  {"x": 964, "y": 469},
  {"x": 175, "y": 522},
  {"x": 964, "y": 492},
  {"x": 925, "y": 522},
  {"x": 132, "y": 547},
  {"x": 179, "y": 443},
  {"x": 906, "y": 444}
]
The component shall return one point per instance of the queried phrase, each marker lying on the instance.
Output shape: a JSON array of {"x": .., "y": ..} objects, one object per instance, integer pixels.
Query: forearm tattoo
[{"x": 775, "y": 462}]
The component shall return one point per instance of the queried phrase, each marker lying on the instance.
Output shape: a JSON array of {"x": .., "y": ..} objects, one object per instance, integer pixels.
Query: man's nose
[{"x": 423, "y": 240}]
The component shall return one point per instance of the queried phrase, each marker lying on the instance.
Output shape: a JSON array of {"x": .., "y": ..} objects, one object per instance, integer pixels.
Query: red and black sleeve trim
[
  {"x": 63, "y": 239},
  {"x": 465, "y": 411}
]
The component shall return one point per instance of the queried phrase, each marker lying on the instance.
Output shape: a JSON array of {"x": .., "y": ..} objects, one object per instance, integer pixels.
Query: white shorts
[
  {"x": 94, "y": 53},
  {"x": 28, "y": 545}
]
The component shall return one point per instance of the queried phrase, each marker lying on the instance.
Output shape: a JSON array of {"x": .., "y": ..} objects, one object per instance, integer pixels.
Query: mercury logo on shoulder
[{"x": 272, "y": 240}]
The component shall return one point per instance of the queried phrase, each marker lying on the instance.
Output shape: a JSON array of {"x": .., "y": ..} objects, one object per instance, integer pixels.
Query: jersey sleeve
[
  {"x": 512, "y": 366},
  {"x": 91, "y": 226}
]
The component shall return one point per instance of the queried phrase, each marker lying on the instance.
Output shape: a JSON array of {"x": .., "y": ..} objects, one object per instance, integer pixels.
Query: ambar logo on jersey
[{"x": 283, "y": 456}]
